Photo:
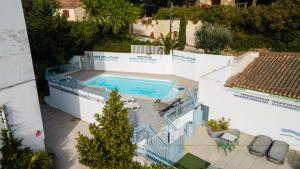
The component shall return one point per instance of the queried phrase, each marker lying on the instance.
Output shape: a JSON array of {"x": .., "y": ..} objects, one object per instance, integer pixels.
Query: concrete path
[{"x": 60, "y": 136}]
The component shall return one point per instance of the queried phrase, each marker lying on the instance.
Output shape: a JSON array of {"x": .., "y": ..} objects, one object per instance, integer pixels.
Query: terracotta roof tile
[
  {"x": 69, "y": 3},
  {"x": 274, "y": 72}
]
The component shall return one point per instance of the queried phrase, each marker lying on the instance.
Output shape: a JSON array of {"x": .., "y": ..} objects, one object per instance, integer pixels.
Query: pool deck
[
  {"x": 146, "y": 114},
  {"x": 205, "y": 147}
]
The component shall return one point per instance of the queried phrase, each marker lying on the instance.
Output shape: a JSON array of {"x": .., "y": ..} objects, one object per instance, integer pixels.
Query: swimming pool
[{"x": 150, "y": 88}]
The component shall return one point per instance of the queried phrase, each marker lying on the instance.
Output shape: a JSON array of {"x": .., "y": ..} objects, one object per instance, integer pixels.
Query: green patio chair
[
  {"x": 224, "y": 145},
  {"x": 237, "y": 133}
]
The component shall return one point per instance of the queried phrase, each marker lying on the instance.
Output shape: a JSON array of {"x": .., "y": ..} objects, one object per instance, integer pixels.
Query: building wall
[
  {"x": 79, "y": 13},
  {"x": 156, "y": 27},
  {"x": 75, "y": 105},
  {"x": 75, "y": 14},
  {"x": 17, "y": 81},
  {"x": 250, "y": 116},
  {"x": 24, "y": 113}
]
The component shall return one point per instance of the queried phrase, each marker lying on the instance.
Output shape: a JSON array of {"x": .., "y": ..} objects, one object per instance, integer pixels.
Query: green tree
[
  {"x": 110, "y": 143},
  {"x": 213, "y": 38},
  {"x": 170, "y": 41},
  {"x": 182, "y": 33},
  {"x": 16, "y": 156},
  {"x": 49, "y": 38},
  {"x": 111, "y": 15}
]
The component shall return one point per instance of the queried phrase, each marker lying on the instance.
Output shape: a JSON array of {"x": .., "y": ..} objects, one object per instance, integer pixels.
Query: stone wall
[{"x": 156, "y": 27}]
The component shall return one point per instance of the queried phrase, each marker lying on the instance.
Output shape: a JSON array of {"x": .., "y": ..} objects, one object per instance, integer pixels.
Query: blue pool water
[{"x": 159, "y": 89}]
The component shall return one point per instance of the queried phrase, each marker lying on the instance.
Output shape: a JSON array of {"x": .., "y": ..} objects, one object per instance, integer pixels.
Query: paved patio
[
  {"x": 61, "y": 132},
  {"x": 203, "y": 146}
]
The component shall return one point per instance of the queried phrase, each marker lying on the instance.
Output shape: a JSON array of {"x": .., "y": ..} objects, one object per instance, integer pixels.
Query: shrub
[
  {"x": 16, "y": 156},
  {"x": 152, "y": 35},
  {"x": 213, "y": 38},
  {"x": 113, "y": 44},
  {"x": 182, "y": 33},
  {"x": 220, "y": 14},
  {"x": 169, "y": 41},
  {"x": 243, "y": 42},
  {"x": 192, "y": 13},
  {"x": 218, "y": 125}
]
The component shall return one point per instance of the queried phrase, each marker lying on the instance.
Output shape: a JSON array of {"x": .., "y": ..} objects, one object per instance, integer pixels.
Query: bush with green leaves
[
  {"x": 16, "y": 156},
  {"x": 182, "y": 33},
  {"x": 119, "y": 44},
  {"x": 192, "y": 13},
  {"x": 169, "y": 41},
  {"x": 213, "y": 38},
  {"x": 218, "y": 125}
]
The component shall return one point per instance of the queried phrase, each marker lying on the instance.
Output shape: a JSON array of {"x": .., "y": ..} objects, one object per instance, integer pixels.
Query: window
[{"x": 66, "y": 13}]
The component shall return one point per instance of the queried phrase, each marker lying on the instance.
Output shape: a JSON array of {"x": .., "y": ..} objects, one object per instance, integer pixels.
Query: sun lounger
[
  {"x": 260, "y": 145},
  {"x": 161, "y": 107},
  {"x": 126, "y": 99},
  {"x": 278, "y": 151},
  {"x": 133, "y": 106}
]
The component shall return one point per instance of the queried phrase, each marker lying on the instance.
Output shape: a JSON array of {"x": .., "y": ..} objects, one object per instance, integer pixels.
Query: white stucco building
[
  {"x": 18, "y": 91},
  {"x": 259, "y": 93}
]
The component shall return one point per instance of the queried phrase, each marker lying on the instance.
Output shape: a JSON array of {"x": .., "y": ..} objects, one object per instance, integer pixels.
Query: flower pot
[{"x": 215, "y": 134}]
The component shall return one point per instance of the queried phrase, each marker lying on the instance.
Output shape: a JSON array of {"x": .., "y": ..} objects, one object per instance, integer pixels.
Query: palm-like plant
[{"x": 169, "y": 41}]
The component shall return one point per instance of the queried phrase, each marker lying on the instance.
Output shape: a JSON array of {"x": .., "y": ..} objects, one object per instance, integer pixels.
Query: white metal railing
[{"x": 145, "y": 49}]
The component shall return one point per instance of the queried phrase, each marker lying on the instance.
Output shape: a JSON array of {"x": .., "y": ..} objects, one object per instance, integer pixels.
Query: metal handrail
[{"x": 59, "y": 76}]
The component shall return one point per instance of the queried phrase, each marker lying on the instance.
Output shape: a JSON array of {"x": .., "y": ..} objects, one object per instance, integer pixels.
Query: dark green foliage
[
  {"x": 276, "y": 26},
  {"x": 16, "y": 156},
  {"x": 119, "y": 44},
  {"x": 109, "y": 145},
  {"x": 111, "y": 15},
  {"x": 244, "y": 42},
  {"x": 220, "y": 14},
  {"x": 182, "y": 33},
  {"x": 192, "y": 13},
  {"x": 49, "y": 38},
  {"x": 213, "y": 38}
]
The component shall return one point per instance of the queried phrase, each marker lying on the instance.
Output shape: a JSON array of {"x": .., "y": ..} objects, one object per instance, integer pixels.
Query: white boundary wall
[
  {"x": 183, "y": 64},
  {"x": 129, "y": 62}
]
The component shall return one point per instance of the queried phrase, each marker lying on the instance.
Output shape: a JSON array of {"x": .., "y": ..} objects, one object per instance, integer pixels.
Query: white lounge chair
[
  {"x": 127, "y": 99},
  {"x": 133, "y": 106}
]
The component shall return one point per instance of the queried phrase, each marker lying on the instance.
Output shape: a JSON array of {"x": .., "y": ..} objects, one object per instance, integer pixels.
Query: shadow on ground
[{"x": 60, "y": 136}]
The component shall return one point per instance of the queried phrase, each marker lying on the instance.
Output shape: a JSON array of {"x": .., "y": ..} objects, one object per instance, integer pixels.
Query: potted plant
[{"x": 216, "y": 128}]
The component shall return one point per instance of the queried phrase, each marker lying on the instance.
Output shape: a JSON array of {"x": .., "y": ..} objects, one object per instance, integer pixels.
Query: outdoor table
[{"x": 229, "y": 137}]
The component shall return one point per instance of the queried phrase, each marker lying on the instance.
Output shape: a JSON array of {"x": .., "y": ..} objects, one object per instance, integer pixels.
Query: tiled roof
[
  {"x": 276, "y": 73},
  {"x": 69, "y": 3}
]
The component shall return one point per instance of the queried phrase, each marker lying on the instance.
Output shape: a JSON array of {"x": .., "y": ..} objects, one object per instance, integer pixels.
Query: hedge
[{"x": 276, "y": 26}]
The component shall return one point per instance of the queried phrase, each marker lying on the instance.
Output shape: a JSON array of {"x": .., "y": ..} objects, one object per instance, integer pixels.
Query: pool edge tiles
[{"x": 143, "y": 87}]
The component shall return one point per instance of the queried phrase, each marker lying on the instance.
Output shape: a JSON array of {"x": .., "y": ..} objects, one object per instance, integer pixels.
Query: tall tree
[
  {"x": 48, "y": 33},
  {"x": 110, "y": 145},
  {"x": 111, "y": 15},
  {"x": 182, "y": 33}
]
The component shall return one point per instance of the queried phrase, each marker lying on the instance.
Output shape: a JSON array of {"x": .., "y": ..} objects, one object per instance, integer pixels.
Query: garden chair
[
  {"x": 224, "y": 145},
  {"x": 237, "y": 133}
]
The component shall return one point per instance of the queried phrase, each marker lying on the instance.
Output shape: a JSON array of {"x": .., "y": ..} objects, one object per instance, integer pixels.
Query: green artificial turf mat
[{"x": 190, "y": 161}]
